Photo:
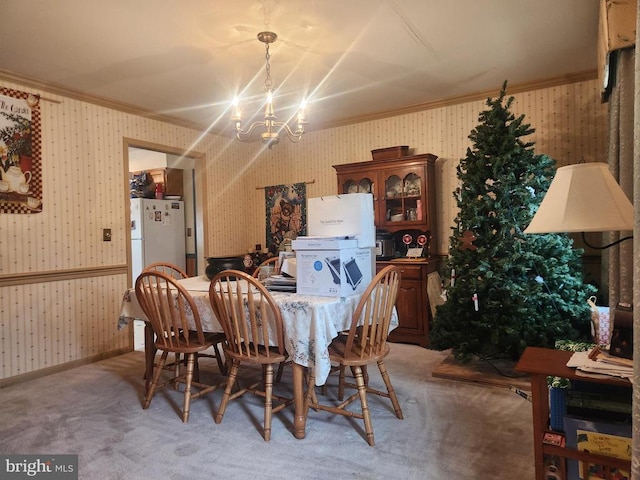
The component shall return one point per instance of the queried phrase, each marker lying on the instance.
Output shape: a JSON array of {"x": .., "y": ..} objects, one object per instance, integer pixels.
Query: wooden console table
[{"x": 540, "y": 363}]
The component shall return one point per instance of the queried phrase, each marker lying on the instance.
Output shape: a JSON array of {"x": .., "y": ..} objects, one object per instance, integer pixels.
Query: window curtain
[{"x": 621, "y": 163}]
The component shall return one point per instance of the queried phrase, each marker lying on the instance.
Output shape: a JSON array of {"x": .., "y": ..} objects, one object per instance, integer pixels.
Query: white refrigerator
[{"x": 157, "y": 233}]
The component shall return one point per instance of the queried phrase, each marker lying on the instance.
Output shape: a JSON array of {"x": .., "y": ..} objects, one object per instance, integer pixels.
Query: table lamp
[{"x": 583, "y": 198}]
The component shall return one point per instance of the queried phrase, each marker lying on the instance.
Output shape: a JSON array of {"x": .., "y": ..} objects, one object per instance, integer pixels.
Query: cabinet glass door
[
  {"x": 403, "y": 197},
  {"x": 364, "y": 185},
  {"x": 349, "y": 186}
]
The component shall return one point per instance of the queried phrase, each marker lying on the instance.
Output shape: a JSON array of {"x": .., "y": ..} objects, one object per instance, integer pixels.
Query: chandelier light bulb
[
  {"x": 269, "y": 113},
  {"x": 236, "y": 115},
  {"x": 302, "y": 119}
]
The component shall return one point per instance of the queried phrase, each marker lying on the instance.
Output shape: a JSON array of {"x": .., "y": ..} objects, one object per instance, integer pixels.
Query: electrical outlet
[{"x": 106, "y": 234}]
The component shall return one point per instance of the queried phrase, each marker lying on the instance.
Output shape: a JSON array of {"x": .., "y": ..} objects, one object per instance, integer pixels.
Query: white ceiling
[{"x": 351, "y": 58}]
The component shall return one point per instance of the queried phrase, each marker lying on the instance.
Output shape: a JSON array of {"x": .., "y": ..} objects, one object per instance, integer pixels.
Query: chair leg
[
  {"x": 221, "y": 365},
  {"x": 233, "y": 372},
  {"x": 280, "y": 370},
  {"x": 362, "y": 392},
  {"x": 323, "y": 388},
  {"x": 187, "y": 387},
  {"x": 196, "y": 368},
  {"x": 268, "y": 401},
  {"x": 157, "y": 370},
  {"x": 341, "y": 380},
  {"x": 365, "y": 374},
  {"x": 176, "y": 369},
  {"x": 390, "y": 390}
]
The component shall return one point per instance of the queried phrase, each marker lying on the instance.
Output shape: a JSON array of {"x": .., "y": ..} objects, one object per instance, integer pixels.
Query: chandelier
[{"x": 272, "y": 128}]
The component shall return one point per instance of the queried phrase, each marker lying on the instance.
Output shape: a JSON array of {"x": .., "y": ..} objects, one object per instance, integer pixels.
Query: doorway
[{"x": 145, "y": 156}]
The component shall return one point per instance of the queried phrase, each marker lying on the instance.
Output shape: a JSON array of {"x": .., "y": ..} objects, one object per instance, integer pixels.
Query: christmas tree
[{"x": 508, "y": 290}]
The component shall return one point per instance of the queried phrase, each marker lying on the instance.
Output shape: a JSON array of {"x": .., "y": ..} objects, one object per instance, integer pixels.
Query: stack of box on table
[{"x": 337, "y": 258}]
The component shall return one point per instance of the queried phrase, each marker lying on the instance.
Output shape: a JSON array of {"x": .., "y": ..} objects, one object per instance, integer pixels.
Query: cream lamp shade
[{"x": 583, "y": 198}]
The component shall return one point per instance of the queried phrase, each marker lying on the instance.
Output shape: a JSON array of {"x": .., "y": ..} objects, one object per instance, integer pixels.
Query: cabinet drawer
[{"x": 413, "y": 272}]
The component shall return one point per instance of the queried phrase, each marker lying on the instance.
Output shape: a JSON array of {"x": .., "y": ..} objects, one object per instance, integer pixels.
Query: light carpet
[{"x": 451, "y": 430}]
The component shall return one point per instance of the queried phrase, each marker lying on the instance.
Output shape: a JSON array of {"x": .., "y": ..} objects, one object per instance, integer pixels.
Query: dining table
[{"x": 310, "y": 324}]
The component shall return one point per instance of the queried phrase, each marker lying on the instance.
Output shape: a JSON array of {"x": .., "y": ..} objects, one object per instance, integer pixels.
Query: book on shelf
[
  {"x": 598, "y": 401},
  {"x": 612, "y": 439},
  {"x": 603, "y": 444},
  {"x": 577, "y": 399}
]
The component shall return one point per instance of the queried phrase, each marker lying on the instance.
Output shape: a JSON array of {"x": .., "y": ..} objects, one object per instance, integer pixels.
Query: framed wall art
[{"x": 20, "y": 152}]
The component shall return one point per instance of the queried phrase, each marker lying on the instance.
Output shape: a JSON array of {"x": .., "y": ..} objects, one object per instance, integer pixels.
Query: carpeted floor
[{"x": 451, "y": 430}]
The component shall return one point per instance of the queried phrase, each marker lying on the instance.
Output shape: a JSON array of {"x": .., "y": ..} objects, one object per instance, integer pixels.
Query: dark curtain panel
[
  {"x": 621, "y": 163},
  {"x": 624, "y": 259}
]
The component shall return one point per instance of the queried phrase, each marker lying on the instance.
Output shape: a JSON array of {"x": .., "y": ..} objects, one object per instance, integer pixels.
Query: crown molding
[
  {"x": 96, "y": 100},
  {"x": 473, "y": 97}
]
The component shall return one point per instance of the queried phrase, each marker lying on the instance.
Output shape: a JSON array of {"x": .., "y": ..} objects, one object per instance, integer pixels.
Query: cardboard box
[{"x": 331, "y": 267}]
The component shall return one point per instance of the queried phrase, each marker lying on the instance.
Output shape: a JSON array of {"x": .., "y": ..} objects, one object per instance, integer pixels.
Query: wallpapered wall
[{"x": 71, "y": 315}]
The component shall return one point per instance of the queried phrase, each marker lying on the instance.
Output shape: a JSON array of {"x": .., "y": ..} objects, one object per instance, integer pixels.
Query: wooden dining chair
[
  {"x": 365, "y": 343},
  {"x": 178, "y": 274},
  {"x": 168, "y": 307},
  {"x": 168, "y": 268},
  {"x": 253, "y": 327},
  {"x": 273, "y": 261}
]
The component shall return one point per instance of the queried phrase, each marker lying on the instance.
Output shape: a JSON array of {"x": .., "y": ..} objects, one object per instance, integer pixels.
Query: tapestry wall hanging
[
  {"x": 20, "y": 152},
  {"x": 286, "y": 214}
]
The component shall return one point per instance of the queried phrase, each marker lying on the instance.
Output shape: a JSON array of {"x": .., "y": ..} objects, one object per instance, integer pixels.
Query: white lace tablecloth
[
  {"x": 198, "y": 287},
  {"x": 310, "y": 322}
]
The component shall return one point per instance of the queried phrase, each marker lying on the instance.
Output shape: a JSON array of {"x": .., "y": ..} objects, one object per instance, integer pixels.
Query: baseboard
[{"x": 43, "y": 372}]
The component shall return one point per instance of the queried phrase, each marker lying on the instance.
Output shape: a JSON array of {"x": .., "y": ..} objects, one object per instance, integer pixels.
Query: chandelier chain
[{"x": 268, "y": 84}]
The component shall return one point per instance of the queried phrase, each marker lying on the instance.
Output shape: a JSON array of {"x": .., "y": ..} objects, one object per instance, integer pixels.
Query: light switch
[{"x": 106, "y": 234}]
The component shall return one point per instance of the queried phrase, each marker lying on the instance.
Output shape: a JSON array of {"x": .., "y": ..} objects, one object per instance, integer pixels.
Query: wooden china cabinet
[{"x": 403, "y": 191}]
